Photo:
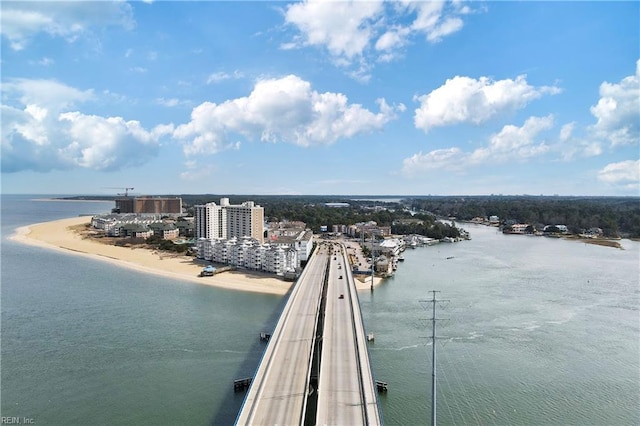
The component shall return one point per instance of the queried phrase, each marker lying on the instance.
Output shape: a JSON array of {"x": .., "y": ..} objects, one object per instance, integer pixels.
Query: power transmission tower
[{"x": 433, "y": 320}]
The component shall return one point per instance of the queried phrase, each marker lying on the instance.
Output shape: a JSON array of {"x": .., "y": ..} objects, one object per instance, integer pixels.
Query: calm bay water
[{"x": 537, "y": 331}]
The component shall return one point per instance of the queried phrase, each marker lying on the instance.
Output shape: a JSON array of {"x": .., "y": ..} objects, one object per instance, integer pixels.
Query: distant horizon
[{"x": 365, "y": 196}]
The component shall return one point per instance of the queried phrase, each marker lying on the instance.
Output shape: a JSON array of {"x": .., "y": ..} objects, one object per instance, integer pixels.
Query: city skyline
[{"x": 337, "y": 97}]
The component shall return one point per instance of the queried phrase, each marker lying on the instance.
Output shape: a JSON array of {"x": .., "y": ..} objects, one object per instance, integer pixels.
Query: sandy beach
[{"x": 59, "y": 235}]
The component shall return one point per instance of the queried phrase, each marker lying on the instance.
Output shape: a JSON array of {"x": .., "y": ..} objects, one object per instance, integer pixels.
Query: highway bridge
[{"x": 316, "y": 368}]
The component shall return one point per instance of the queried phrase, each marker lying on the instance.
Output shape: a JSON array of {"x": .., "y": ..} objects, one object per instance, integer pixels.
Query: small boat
[{"x": 400, "y": 259}]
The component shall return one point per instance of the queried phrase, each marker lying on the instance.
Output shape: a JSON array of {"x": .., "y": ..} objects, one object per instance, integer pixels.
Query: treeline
[
  {"x": 427, "y": 227},
  {"x": 616, "y": 216}
]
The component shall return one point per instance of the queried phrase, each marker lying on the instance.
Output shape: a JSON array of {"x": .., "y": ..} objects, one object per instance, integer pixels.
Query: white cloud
[
  {"x": 171, "y": 102},
  {"x": 512, "y": 143},
  {"x": 358, "y": 33},
  {"x": 445, "y": 28},
  {"x": 280, "y": 110},
  {"x": 49, "y": 94},
  {"x": 392, "y": 39},
  {"x": 570, "y": 146},
  {"x": 618, "y": 111},
  {"x": 625, "y": 174},
  {"x": 515, "y": 143},
  {"x": 344, "y": 28},
  {"x": 434, "y": 21},
  {"x": 219, "y": 76},
  {"x": 42, "y": 131},
  {"x": 106, "y": 143},
  {"x": 465, "y": 99},
  {"x": 449, "y": 158},
  {"x": 566, "y": 131},
  {"x": 20, "y": 21}
]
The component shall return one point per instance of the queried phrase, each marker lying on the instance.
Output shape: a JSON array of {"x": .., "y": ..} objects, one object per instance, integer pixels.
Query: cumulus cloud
[
  {"x": 43, "y": 131},
  {"x": 512, "y": 143},
  {"x": 465, "y": 99},
  {"x": 618, "y": 111},
  {"x": 106, "y": 143},
  {"x": 358, "y": 33},
  {"x": 21, "y": 21},
  {"x": 625, "y": 174},
  {"x": 344, "y": 28},
  {"x": 280, "y": 110}
]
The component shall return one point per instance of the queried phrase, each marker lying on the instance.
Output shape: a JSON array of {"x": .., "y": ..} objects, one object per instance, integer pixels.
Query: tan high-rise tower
[{"x": 228, "y": 220}]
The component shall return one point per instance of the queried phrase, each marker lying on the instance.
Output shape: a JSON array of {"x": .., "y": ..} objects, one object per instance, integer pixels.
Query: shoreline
[{"x": 59, "y": 235}]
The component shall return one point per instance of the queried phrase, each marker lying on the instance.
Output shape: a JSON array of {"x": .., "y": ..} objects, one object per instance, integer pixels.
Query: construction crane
[{"x": 126, "y": 190}]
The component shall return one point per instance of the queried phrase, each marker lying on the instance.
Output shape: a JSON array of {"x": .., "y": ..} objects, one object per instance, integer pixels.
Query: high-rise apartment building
[{"x": 229, "y": 220}]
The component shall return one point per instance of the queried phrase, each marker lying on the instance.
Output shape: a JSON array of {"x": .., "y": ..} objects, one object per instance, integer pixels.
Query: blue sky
[{"x": 321, "y": 97}]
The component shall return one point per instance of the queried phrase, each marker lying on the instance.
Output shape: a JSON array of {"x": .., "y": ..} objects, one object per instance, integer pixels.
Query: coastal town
[
  {"x": 223, "y": 236},
  {"x": 217, "y": 237}
]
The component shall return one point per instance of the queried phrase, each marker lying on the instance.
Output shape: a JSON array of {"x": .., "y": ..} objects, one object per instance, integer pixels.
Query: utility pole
[
  {"x": 433, "y": 353},
  {"x": 373, "y": 260}
]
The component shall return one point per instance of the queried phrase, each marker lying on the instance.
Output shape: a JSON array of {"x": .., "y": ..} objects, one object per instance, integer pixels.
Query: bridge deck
[
  {"x": 346, "y": 389},
  {"x": 278, "y": 393}
]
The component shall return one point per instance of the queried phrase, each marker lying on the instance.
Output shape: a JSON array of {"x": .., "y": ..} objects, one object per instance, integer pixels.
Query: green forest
[{"x": 616, "y": 216}]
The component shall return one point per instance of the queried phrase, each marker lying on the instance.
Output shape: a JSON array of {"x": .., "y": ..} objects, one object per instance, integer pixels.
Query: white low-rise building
[
  {"x": 113, "y": 223},
  {"x": 391, "y": 246},
  {"x": 248, "y": 253}
]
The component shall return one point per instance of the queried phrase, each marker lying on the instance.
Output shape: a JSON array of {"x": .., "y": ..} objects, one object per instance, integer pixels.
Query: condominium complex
[
  {"x": 248, "y": 253},
  {"x": 227, "y": 221}
]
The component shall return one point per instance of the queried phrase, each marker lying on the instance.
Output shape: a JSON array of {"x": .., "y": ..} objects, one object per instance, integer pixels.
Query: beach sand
[{"x": 60, "y": 235}]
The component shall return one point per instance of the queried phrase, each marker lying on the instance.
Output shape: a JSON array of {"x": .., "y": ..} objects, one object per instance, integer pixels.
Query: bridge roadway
[
  {"x": 346, "y": 390},
  {"x": 347, "y": 394},
  {"x": 279, "y": 390}
]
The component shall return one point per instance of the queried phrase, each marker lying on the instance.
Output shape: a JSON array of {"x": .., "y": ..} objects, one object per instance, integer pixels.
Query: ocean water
[{"x": 533, "y": 331}]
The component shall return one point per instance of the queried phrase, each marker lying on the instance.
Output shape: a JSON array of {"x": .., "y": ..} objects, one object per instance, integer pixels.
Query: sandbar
[{"x": 60, "y": 235}]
